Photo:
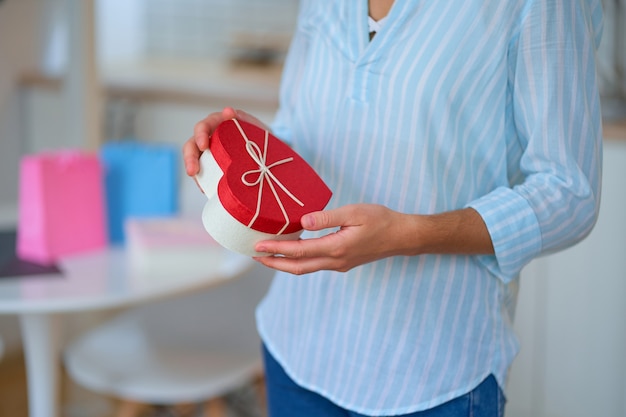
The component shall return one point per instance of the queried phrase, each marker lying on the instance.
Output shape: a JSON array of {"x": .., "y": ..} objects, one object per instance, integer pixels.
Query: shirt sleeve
[{"x": 555, "y": 106}]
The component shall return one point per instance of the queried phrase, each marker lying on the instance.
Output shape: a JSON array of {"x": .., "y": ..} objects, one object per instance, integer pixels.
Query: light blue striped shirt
[{"x": 490, "y": 104}]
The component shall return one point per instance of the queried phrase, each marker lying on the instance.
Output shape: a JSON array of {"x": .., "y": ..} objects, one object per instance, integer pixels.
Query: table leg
[{"x": 40, "y": 337}]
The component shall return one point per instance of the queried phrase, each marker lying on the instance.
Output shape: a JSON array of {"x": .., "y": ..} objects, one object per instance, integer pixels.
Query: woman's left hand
[{"x": 366, "y": 233}]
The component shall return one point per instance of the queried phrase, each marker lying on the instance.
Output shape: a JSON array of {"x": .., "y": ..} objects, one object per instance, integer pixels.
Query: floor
[
  {"x": 13, "y": 400},
  {"x": 78, "y": 402}
]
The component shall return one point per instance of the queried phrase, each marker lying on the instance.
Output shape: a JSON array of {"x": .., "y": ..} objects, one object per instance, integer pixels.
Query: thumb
[{"x": 319, "y": 220}]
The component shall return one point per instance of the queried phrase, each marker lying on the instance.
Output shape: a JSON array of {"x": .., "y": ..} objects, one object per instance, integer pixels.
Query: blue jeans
[{"x": 285, "y": 398}]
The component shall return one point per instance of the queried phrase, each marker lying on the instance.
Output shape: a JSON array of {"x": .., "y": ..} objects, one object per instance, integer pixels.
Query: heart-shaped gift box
[{"x": 258, "y": 188}]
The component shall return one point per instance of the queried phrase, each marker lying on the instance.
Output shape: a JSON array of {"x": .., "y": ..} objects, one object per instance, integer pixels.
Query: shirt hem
[{"x": 437, "y": 401}]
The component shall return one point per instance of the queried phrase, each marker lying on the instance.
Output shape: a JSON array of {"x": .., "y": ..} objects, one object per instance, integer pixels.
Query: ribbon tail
[
  {"x": 282, "y": 187},
  {"x": 282, "y": 209},
  {"x": 258, "y": 201}
]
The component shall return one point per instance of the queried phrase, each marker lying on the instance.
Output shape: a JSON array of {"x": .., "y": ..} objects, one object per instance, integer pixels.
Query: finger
[
  {"x": 202, "y": 133},
  {"x": 290, "y": 248},
  {"x": 191, "y": 154},
  {"x": 229, "y": 113},
  {"x": 247, "y": 117},
  {"x": 203, "y": 130},
  {"x": 301, "y": 249},
  {"x": 296, "y": 266}
]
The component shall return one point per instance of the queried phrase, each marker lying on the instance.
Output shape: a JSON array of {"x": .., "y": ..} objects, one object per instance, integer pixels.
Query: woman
[{"x": 461, "y": 140}]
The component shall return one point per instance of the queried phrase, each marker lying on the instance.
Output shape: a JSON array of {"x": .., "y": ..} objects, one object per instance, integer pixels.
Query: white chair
[{"x": 188, "y": 350}]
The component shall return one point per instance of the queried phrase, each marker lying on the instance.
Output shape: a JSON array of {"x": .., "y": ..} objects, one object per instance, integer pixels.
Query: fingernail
[{"x": 307, "y": 221}]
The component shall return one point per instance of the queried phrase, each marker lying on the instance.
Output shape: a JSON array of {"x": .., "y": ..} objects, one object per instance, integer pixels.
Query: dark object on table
[{"x": 11, "y": 265}]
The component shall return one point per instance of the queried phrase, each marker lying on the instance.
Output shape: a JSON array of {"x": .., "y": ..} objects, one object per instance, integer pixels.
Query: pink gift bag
[{"x": 61, "y": 205}]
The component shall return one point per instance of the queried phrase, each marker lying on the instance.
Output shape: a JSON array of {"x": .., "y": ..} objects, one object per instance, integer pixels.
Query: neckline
[
  {"x": 364, "y": 48},
  {"x": 375, "y": 25}
]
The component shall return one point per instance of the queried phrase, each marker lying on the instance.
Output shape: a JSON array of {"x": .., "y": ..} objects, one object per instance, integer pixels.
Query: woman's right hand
[{"x": 202, "y": 131}]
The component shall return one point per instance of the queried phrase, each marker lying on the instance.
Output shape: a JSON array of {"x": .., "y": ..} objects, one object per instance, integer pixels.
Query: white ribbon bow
[{"x": 265, "y": 175}]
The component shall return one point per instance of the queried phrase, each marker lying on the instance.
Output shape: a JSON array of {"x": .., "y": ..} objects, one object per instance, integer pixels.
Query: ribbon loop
[{"x": 265, "y": 175}]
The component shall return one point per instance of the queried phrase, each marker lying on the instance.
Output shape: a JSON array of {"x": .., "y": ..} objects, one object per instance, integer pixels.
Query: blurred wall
[
  {"x": 570, "y": 317},
  {"x": 19, "y": 51}
]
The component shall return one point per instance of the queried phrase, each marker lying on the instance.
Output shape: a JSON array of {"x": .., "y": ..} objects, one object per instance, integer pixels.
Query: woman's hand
[
  {"x": 199, "y": 142},
  {"x": 369, "y": 232}
]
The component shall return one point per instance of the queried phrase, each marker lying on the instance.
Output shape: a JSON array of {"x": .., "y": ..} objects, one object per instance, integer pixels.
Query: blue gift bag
[{"x": 141, "y": 180}]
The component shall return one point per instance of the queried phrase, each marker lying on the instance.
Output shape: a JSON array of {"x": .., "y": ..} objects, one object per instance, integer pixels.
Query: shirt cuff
[{"x": 514, "y": 231}]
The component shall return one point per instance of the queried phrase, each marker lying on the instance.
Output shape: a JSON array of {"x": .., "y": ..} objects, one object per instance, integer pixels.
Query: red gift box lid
[{"x": 266, "y": 185}]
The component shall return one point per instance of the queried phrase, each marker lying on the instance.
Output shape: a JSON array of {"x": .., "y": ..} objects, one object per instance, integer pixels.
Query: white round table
[{"x": 93, "y": 281}]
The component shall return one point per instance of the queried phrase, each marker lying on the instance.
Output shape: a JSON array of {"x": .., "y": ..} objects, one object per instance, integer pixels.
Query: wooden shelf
[
  {"x": 187, "y": 83},
  {"x": 250, "y": 86}
]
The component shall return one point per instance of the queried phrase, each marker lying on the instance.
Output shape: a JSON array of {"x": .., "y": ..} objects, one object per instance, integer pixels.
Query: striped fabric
[{"x": 491, "y": 104}]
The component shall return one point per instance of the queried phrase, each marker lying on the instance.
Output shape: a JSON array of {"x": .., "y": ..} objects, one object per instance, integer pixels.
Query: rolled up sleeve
[{"x": 556, "y": 111}]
